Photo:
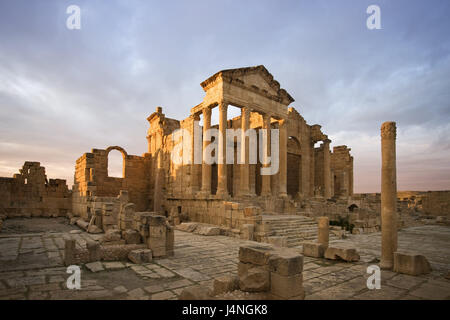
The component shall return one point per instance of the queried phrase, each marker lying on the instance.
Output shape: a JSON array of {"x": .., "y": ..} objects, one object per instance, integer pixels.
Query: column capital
[
  {"x": 206, "y": 111},
  {"x": 246, "y": 110},
  {"x": 327, "y": 141},
  {"x": 388, "y": 130}
]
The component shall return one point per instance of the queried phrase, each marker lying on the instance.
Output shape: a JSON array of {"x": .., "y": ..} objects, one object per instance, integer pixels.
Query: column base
[
  {"x": 203, "y": 194},
  {"x": 221, "y": 194},
  {"x": 386, "y": 265},
  {"x": 283, "y": 195}
]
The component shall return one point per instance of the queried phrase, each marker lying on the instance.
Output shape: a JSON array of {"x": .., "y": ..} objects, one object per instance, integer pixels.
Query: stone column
[
  {"x": 283, "y": 158},
  {"x": 326, "y": 168},
  {"x": 195, "y": 167},
  {"x": 388, "y": 195},
  {"x": 206, "y": 168},
  {"x": 306, "y": 162},
  {"x": 245, "y": 119},
  {"x": 312, "y": 161},
  {"x": 324, "y": 231},
  {"x": 265, "y": 179},
  {"x": 222, "y": 189}
]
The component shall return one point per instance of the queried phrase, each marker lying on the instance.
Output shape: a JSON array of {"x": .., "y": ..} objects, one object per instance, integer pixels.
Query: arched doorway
[{"x": 116, "y": 162}]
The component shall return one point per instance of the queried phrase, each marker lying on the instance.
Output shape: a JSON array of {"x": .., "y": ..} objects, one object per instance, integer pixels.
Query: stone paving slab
[{"x": 31, "y": 268}]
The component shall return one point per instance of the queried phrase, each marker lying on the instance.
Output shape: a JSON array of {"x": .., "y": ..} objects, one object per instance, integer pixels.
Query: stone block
[
  {"x": 111, "y": 235},
  {"x": 410, "y": 263},
  {"x": 346, "y": 254},
  {"x": 195, "y": 293},
  {"x": 251, "y": 211},
  {"x": 131, "y": 236},
  {"x": 247, "y": 231},
  {"x": 277, "y": 241},
  {"x": 286, "y": 262},
  {"x": 313, "y": 249},
  {"x": 140, "y": 256},
  {"x": 94, "y": 229},
  {"x": 94, "y": 266},
  {"x": 286, "y": 287},
  {"x": 205, "y": 230},
  {"x": 224, "y": 284},
  {"x": 253, "y": 278},
  {"x": 94, "y": 250},
  {"x": 255, "y": 253}
]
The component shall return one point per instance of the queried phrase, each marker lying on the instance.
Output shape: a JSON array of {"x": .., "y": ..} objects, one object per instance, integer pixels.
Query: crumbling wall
[
  {"x": 30, "y": 193},
  {"x": 436, "y": 203},
  {"x": 92, "y": 180},
  {"x": 342, "y": 171}
]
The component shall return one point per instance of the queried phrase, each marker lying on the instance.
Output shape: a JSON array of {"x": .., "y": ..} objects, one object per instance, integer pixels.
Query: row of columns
[{"x": 222, "y": 183}]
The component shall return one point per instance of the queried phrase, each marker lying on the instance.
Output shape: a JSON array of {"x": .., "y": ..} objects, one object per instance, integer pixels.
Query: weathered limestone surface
[
  {"x": 413, "y": 264},
  {"x": 264, "y": 268},
  {"x": 312, "y": 249},
  {"x": 30, "y": 194},
  {"x": 388, "y": 195},
  {"x": 346, "y": 254},
  {"x": 324, "y": 231}
]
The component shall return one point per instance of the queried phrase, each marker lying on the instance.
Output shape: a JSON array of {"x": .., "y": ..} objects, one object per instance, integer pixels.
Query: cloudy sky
[{"x": 64, "y": 92}]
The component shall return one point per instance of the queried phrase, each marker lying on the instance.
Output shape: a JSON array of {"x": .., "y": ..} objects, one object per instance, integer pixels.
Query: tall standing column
[
  {"x": 326, "y": 168},
  {"x": 195, "y": 167},
  {"x": 312, "y": 161},
  {"x": 265, "y": 179},
  {"x": 283, "y": 158},
  {"x": 206, "y": 168},
  {"x": 388, "y": 195},
  {"x": 222, "y": 189},
  {"x": 245, "y": 119},
  {"x": 305, "y": 176}
]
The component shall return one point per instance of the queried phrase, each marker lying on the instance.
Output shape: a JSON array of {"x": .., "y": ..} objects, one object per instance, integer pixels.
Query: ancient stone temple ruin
[{"x": 309, "y": 176}]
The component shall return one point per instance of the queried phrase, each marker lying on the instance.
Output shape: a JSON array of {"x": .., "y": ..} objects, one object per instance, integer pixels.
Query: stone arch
[
  {"x": 124, "y": 156},
  {"x": 352, "y": 207}
]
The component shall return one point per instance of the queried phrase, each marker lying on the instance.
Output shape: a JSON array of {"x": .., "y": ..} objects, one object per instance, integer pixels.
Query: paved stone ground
[{"x": 31, "y": 268}]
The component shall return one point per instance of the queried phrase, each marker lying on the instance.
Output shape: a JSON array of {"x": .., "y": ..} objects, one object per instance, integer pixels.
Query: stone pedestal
[
  {"x": 324, "y": 231},
  {"x": 388, "y": 195}
]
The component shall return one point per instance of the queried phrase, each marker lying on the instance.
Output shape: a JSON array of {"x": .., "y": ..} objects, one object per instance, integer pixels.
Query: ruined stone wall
[
  {"x": 436, "y": 203},
  {"x": 91, "y": 179},
  {"x": 319, "y": 170},
  {"x": 342, "y": 171},
  {"x": 30, "y": 193}
]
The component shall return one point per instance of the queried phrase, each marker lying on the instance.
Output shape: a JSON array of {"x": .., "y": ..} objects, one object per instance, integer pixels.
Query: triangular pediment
[{"x": 256, "y": 79}]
